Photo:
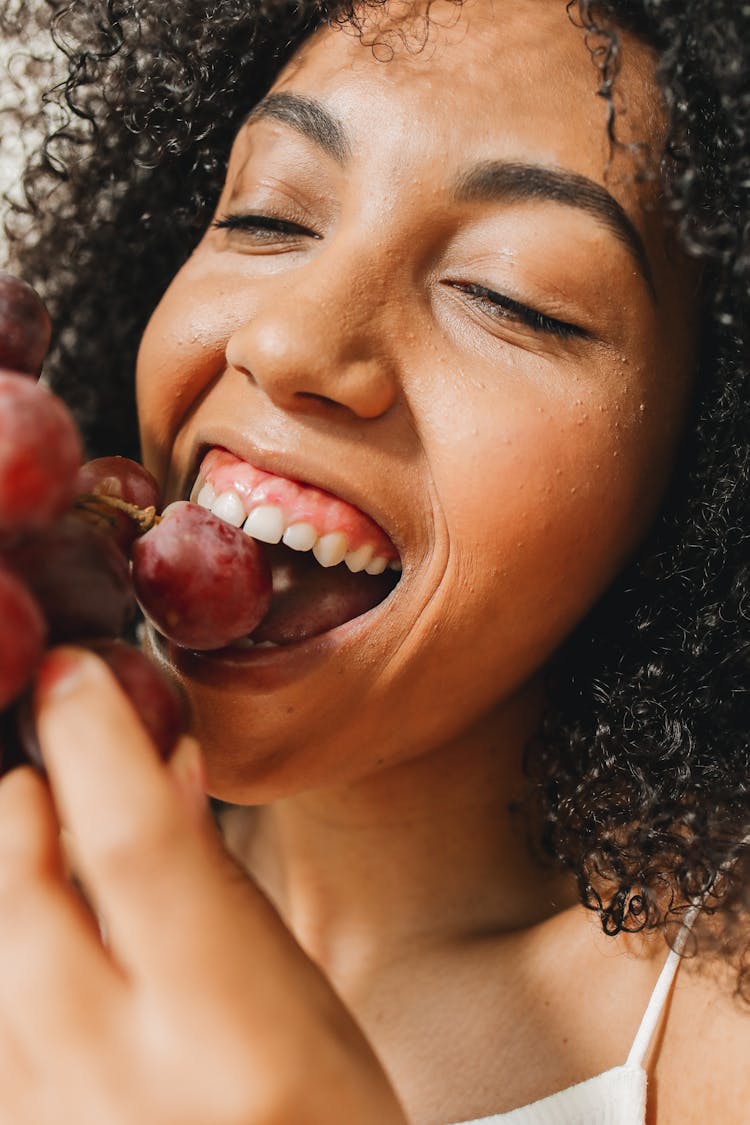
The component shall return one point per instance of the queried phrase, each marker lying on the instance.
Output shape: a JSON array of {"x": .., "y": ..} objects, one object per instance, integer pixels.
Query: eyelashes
[
  {"x": 264, "y": 227},
  {"x": 270, "y": 229},
  {"x": 500, "y": 307}
]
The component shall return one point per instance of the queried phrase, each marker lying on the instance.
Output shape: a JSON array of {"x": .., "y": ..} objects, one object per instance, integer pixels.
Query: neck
[{"x": 424, "y": 854}]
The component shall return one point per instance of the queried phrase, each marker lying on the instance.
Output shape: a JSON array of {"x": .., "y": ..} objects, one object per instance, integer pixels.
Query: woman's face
[{"x": 455, "y": 319}]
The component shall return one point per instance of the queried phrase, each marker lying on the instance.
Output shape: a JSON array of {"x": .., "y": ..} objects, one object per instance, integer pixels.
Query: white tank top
[{"x": 618, "y": 1096}]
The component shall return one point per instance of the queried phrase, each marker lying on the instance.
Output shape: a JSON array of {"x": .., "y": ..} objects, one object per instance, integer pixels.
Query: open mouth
[{"x": 329, "y": 561}]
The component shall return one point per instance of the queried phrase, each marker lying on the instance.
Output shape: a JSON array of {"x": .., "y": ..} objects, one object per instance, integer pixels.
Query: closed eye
[
  {"x": 271, "y": 228},
  {"x": 264, "y": 228},
  {"x": 504, "y": 308}
]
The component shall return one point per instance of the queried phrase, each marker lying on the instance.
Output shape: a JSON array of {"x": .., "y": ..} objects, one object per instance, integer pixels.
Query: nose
[{"x": 316, "y": 339}]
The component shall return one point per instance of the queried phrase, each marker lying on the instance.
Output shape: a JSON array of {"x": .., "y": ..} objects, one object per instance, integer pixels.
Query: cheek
[
  {"x": 544, "y": 499},
  {"x": 181, "y": 354}
]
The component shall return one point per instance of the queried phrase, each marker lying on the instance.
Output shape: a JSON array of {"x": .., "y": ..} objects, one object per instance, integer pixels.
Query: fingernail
[{"x": 60, "y": 672}]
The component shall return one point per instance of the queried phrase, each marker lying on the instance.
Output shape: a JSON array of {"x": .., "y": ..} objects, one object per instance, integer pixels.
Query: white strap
[{"x": 661, "y": 992}]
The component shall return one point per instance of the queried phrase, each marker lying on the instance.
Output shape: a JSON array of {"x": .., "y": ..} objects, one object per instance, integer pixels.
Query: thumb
[
  {"x": 167, "y": 892},
  {"x": 130, "y": 821}
]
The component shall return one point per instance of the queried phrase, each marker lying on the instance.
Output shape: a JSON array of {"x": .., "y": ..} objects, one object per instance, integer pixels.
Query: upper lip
[{"x": 286, "y": 465}]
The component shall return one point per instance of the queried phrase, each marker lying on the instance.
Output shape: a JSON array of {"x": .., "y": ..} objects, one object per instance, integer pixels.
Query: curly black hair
[{"x": 641, "y": 775}]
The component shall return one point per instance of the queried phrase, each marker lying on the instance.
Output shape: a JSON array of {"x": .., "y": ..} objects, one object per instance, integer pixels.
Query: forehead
[{"x": 486, "y": 79}]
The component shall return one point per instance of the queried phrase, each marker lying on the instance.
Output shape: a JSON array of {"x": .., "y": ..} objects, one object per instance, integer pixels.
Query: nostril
[
  {"x": 239, "y": 367},
  {"x": 324, "y": 400},
  {"x": 236, "y": 356}
]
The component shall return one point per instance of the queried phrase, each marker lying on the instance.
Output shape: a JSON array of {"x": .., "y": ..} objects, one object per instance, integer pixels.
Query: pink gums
[{"x": 300, "y": 503}]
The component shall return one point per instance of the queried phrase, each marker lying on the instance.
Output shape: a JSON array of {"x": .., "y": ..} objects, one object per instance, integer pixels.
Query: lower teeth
[{"x": 248, "y": 642}]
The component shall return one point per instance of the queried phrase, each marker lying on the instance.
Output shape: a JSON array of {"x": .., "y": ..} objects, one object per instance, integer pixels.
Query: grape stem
[{"x": 100, "y": 506}]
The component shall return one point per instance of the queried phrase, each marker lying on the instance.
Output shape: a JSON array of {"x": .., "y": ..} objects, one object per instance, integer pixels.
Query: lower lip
[{"x": 261, "y": 667}]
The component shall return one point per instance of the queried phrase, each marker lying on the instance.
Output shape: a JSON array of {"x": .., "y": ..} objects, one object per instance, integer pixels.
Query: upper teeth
[
  {"x": 300, "y": 536},
  {"x": 268, "y": 524}
]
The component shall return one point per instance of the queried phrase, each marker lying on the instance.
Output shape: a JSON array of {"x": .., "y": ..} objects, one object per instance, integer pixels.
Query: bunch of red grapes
[{"x": 81, "y": 545}]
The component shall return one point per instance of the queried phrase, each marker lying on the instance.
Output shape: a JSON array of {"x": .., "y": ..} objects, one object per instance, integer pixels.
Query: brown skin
[{"x": 515, "y": 471}]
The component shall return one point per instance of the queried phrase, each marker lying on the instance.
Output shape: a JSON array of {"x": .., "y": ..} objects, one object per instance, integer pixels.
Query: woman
[{"x": 478, "y": 273}]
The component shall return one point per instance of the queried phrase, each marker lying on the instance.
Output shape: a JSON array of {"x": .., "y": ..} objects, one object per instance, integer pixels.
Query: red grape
[
  {"x": 155, "y": 697},
  {"x": 24, "y": 326},
  {"x": 122, "y": 480},
  {"x": 40, "y": 454},
  {"x": 63, "y": 577},
  {"x": 202, "y": 582},
  {"x": 152, "y": 693},
  {"x": 22, "y": 636},
  {"x": 79, "y": 576}
]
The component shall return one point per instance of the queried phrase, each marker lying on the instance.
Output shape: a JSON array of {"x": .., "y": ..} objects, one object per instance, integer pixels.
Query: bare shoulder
[{"x": 700, "y": 1066}]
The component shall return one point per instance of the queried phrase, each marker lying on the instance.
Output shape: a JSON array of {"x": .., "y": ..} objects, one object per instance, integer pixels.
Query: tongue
[{"x": 309, "y": 599}]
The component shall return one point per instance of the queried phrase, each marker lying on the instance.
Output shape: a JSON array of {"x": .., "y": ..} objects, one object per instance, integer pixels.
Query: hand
[{"x": 199, "y": 1008}]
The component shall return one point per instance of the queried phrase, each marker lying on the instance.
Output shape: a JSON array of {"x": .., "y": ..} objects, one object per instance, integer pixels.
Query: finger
[
  {"x": 186, "y": 769},
  {"x": 133, "y": 836},
  {"x": 55, "y": 977},
  {"x": 17, "y": 1077},
  {"x": 168, "y": 893}
]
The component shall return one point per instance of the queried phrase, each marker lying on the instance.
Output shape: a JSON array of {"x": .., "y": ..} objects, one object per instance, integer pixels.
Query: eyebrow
[
  {"x": 512, "y": 182},
  {"x": 307, "y": 117},
  {"x": 490, "y": 181}
]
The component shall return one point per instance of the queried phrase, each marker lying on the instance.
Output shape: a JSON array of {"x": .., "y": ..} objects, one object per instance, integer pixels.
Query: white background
[{"x": 23, "y": 68}]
